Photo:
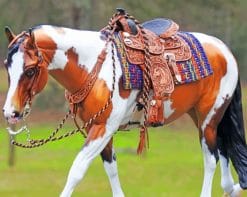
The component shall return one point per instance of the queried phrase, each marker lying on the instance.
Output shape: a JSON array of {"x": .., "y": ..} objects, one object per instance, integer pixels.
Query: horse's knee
[
  {"x": 210, "y": 134},
  {"x": 108, "y": 155},
  {"x": 210, "y": 159}
]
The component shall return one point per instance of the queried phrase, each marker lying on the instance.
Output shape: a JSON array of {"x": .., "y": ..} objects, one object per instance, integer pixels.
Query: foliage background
[
  {"x": 173, "y": 166},
  {"x": 225, "y": 19}
]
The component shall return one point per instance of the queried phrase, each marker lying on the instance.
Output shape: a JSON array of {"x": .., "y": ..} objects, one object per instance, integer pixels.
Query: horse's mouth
[
  {"x": 13, "y": 120},
  {"x": 22, "y": 116}
]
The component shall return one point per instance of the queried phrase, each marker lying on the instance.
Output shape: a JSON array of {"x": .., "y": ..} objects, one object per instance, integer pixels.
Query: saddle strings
[{"x": 144, "y": 96}]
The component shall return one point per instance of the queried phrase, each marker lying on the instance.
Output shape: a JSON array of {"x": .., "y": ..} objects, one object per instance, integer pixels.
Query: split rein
[{"x": 78, "y": 97}]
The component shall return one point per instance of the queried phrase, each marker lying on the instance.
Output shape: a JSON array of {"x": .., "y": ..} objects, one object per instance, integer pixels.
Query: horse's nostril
[{"x": 16, "y": 114}]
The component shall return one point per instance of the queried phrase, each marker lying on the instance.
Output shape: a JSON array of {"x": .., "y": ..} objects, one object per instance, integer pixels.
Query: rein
[
  {"x": 74, "y": 100},
  {"x": 80, "y": 95}
]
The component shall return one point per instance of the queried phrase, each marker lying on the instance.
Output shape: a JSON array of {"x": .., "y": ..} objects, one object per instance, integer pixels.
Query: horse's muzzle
[{"x": 13, "y": 117}]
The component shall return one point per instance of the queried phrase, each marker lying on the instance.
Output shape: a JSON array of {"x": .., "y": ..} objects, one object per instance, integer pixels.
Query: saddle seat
[
  {"x": 162, "y": 27},
  {"x": 134, "y": 46}
]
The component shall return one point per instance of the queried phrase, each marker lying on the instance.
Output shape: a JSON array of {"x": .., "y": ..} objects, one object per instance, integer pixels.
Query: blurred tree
[{"x": 222, "y": 18}]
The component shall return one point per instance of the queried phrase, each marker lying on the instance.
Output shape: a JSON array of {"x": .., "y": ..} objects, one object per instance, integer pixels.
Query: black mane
[{"x": 12, "y": 50}]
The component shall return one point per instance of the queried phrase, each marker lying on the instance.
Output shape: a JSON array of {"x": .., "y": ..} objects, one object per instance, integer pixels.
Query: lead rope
[{"x": 53, "y": 137}]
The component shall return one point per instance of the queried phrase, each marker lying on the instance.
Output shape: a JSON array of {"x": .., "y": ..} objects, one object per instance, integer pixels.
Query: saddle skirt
[{"x": 191, "y": 63}]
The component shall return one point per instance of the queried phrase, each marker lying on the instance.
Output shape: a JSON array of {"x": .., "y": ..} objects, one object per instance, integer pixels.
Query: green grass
[{"x": 172, "y": 166}]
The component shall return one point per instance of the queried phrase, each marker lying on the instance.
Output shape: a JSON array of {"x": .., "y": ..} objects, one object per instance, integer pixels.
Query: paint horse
[{"x": 71, "y": 56}]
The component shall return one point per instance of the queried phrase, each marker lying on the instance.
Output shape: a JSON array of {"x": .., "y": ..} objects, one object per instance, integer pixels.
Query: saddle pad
[
  {"x": 198, "y": 66},
  {"x": 191, "y": 70},
  {"x": 132, "y": 74}
]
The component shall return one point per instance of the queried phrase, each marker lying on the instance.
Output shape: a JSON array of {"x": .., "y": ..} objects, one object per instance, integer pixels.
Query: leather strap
[{"x": 81, "y": 94}]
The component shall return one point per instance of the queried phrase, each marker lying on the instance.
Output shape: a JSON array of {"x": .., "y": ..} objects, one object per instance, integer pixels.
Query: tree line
[{"x": 225, "y": 19}]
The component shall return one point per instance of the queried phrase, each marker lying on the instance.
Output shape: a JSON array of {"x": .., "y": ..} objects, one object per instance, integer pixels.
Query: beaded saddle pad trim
[{"x": 191, "y": 70}]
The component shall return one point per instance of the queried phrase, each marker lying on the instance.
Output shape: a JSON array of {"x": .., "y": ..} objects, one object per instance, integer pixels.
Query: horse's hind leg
[
  {"x": 209, "y": 150},
  {"x": 110, "y": 164},
  {"x": 227, "y": 182},
  {"x": 210, "y": 159}
]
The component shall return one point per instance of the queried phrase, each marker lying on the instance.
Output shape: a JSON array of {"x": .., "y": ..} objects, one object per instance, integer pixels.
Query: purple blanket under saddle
[{"x": 192, "y": 70}]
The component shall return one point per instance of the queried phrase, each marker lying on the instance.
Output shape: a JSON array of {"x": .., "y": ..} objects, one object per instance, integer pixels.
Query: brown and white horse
[{"x": 68, "y": 55}]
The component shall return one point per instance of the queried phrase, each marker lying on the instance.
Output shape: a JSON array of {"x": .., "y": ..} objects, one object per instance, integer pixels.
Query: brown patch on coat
[
  {"x": 210, "y": 90},
  {"x": 45, "y": 44},
  {"x": 210, "y": 137},
  {"x": 73, "y": 78},
  {"x": 211, "y": 84},
  {"x": 210, "y": 134},
  {"x": 106, "y": 154},
  {"x": 95, "y": 132}
]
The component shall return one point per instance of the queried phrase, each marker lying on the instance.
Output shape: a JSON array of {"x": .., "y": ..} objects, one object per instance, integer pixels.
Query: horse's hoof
[
  {"x": 225, "y": 195},
  {"x": 237, "y": 191}
]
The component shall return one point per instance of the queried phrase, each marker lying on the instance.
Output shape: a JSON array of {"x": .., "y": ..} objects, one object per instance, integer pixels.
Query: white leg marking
[
  {"x": 82, "y": 162},
  {"x": 237, "y": 190},
  {"x": 209, "y": 169},
  {"x": 112, "y": 173},
  {"x": 227, "y": 182}
]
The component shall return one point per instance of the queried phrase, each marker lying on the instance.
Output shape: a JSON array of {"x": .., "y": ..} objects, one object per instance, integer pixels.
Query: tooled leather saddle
[{"x": 164, "y": 48}]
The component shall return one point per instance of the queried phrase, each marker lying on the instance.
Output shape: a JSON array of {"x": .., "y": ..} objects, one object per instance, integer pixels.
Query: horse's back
[
  {"x": 222, "y": 61},
  {"x": 207, "y": 92}
]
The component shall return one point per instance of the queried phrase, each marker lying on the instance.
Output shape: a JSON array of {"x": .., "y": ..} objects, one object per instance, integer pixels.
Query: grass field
[{"x": 172, "y": 167}]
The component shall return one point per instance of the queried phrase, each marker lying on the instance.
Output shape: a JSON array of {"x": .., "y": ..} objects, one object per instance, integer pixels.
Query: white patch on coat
[
  {"x": 112, "y": 173},
  {"x": 59, "y": 60},
  {"x": 209, "y": 169},
  {"x": 227, "y": 181},
  {"x": 87, "y": 45},
  {"x": 168, "y": 110},
  {"x": 15, "y": 71}
]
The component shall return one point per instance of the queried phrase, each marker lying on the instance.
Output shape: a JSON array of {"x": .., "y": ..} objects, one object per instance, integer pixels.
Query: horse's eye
[{"x": 30, "y": 72}]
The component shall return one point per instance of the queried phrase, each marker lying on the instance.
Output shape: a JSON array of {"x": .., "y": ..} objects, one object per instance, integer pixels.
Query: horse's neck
[{"x": 73, "y": 55}]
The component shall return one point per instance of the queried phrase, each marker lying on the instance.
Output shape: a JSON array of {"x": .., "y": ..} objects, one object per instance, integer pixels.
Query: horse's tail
[{"x": 231, "y": 136}]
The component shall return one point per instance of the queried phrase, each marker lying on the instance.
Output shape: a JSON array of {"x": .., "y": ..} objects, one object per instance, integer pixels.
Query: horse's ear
[
  {"x": 31, "y": 35},
  {"x": 10, "y": 35}
]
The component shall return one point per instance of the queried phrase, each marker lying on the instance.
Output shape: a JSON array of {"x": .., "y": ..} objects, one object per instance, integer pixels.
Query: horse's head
[{"x": 27, "y": 74}]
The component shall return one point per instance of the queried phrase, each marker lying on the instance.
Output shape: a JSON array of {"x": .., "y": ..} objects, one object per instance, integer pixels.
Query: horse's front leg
[
  {"x": 110, "y": 163},
  {"x": 98, "y": 137}
]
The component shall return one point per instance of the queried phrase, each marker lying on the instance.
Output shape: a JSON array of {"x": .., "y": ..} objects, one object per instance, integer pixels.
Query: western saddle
[{"x": 155, "y": 46}]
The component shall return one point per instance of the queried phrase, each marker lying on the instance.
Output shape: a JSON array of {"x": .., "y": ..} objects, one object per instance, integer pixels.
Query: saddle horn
[{"x": 121, "y": 11}]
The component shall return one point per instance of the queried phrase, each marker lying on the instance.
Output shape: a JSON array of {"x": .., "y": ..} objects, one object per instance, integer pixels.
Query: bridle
[
  {"x": 31, "y": 71},
  {"x": 80, "y": 95},
  {"x": 74, "y": 99}
]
